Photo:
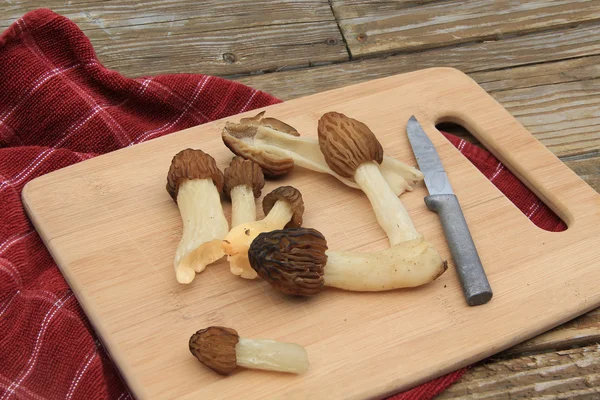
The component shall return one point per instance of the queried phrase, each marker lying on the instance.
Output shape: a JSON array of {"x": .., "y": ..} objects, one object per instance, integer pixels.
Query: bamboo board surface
[{"x": 112, "y": 228}]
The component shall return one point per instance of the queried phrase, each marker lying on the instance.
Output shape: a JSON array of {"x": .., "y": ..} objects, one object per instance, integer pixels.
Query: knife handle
[{"x": 472, "y": 277}]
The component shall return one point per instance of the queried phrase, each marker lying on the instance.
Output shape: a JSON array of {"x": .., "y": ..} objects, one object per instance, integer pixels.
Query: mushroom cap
[
  {"x": 192, "y": 164},
  {"x": 215, "y": 347},
  {"x": 347, "y": 143},
  {"x": 243, "y": 172},
  {"x": 270, "y": 122},
  {"x": 293, "y": 197},
  {"x": 239, "y": 137},
  {"x": 291, "y": 260}
]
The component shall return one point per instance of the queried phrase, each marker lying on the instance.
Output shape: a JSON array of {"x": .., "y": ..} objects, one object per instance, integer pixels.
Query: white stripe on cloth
[
  {"x": 38, "y": 344},
  {"x": 24, "y": 393},
  {"x": 12, "y": 240},
  {"x": 95, "y": 110},
  {"x": 7, "y": 266},
  {"x": 3, "y": 310},
  {"x": 535, "y": 206},
  {"x": 45, "y": 77},
  {"x": 499, "y": 169},
  {"x": 80, "y": 372},
  {"x": 106, "y": 117},
  {"x": 181, "y": 101},
  {"x": 254, "y": 92},
  {"x": 144, "y": 86},
  {"x": 27, "y": 170},
  {"x": 47, "y": 297},
  {"x": 146, "y": 135}
]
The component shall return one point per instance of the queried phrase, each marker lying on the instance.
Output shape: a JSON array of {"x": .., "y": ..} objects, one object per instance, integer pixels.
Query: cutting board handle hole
[{"x": 530, "y": 205}]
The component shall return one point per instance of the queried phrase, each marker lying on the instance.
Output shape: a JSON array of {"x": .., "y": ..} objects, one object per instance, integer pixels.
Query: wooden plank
[
  {"x": 493, "y": 55},
  {"x": 564, "y": 116},
  {"x": 372, "y": 28},
  {"x": 571, "y": 70},
  {"x": 581, "y": 331},
  {"x": 557, "y": 102},
  {"x": 211, "y": 37},
  {"x": 207, "y": 15},
  {"x": 114, "y": 252},
  {"x": 588, "y": 169},
  {"x": 568, "y": 374}
]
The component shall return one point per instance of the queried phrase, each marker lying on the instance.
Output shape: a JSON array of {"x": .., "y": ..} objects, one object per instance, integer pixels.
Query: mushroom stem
[
  {"x": 204, "y": 225},
  {"x": 283, "y": 207},
  {"x": 297, "y": 261},
  {"x": 306, "y": 154},
  {"x": 238, "y": 240},
  {"x": 243, "y": 208},
  {"x": 222, "y": 350},
  {"x": 389, "y": 210},
  {"x": 280, "y": 215},
  {"x": 409, "y": 264},
  {"x": 271, "y": 355}
]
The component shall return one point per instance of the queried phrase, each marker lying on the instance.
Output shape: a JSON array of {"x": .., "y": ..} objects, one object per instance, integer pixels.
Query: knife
[{"x": 444, "y": 202}]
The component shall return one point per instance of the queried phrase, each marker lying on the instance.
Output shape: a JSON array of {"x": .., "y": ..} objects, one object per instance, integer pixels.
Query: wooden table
[{"x": 540, "y": 59}]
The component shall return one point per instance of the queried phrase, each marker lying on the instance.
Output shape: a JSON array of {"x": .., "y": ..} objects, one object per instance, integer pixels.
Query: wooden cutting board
[{"x": 113, "y": 229}]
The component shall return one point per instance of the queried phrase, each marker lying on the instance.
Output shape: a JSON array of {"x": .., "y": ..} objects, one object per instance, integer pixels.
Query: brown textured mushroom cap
[
  {"x": 239, "y": 139},
  {"x": 292, "y": 196},
  {"x": 192, "y": 164},
  {"x": 243, "y": 172},
  {"x": 215, "y": 348},
  {"x": 347, "y": 143},
  {"x": 269, "y": 122},
  {"x": 291, "y": 260}
]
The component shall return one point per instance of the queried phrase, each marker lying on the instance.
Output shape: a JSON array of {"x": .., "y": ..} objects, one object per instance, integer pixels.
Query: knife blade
[{"x": 443, "y": 201}]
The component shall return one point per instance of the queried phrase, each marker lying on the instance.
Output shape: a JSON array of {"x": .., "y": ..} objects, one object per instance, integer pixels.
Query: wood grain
[
  {"x": 211, "y": 37},
  {"x": 556, "y": 101},
  {"x": 492, "y": 55},
  {"x": 581, "y": 331},
  {"x": 564, "y": 116},
  {"x": 117, "y": 255},
  {"x": 372, "y": 28},
  {"x": 568, "y": 374}
]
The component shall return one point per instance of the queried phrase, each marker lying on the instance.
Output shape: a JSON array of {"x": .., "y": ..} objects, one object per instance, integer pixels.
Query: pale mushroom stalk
[
  {"x": 306, "y": 154},
  {"x": 222, "y": 350},
  {"x": 271, "y": 355},
  {"x": 204, "y": 224},
  {"x": 296, "y": 261},
  {"x": 389, "y": 210},
  {"x": 195, "y": 183},
  {"x": 352, "y": 150},
  {"x": 244, "y": 181},
  {"x": 409, "y": 264},
  {"x": 282, "y": 207},
  {"x": 243, "y": 208},
  {"x": 277, "y": 149},
  {"x": 237, "y": 241}
]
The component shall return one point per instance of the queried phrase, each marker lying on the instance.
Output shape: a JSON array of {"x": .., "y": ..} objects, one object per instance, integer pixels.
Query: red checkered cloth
[{"x": 59, "y": 106}]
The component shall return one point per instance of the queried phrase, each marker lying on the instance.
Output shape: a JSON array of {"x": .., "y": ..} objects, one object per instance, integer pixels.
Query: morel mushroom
[
  {"x": 222, "y": 350},
  {"x": 195, "y": 183},
  {"x": 244, "y": 181},
  {"x": 352, "y": 150},
  {"x": 297, "y": 261},
  {"x": 283, "y": 207},
  {"x": 277, "y": 148}
]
